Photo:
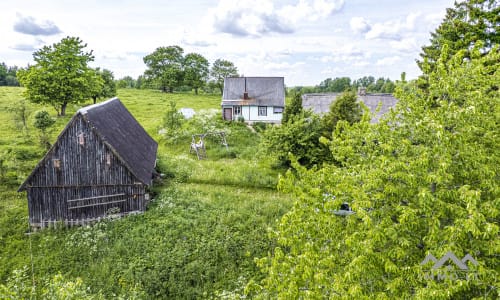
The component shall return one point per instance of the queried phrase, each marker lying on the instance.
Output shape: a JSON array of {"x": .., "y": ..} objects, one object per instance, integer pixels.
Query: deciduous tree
[
  {"x": 165, "y": 67},
  {"x": 465, "y": 24},
  {"x": 105, "y": 85},
  {"x": 60, "y": 76},
  {"x": 196, "y": 71},
  {"x": 424, "y": 181},
  {"x": 221, "y": 69}
]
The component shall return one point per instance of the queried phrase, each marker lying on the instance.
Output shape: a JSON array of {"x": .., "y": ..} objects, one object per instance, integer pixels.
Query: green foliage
[
  {"x": 464, "y": 25},
  {"x": 165, "y": 67},
  {"x": 342, "y": 84},
  {"x": 299, "y": 137},
  {"x": 43, "y": 122},
  {"x": 172, "y": 122},
  {"x": 60, "y": 76},
  {"x": 293, "y": 108},
  {"x": 425, "y": 181},
  {"x": 345, "y": 107},
  {"x": 196, "y": 70},
  {"x": 105, "y": 86},
  {"x": 8, "y": 75},
  {"x": 20, "y": 113},
  {"x": 221, "y": 69}
]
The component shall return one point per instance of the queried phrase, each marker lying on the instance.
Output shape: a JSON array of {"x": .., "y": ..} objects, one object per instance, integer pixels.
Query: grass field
[{"x": 198, "y": 238}]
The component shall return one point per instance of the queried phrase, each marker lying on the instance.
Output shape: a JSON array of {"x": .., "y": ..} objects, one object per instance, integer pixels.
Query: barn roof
[
  {"x": 320, "y": 103},
  {"x": 118, "y": 129},
  {"x": 262, "y": 91}
]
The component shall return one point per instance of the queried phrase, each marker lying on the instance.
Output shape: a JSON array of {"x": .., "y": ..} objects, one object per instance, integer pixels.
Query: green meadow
[{"x": 208, "y": 221}]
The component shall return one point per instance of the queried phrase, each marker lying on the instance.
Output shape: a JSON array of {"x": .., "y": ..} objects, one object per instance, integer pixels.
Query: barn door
[{"x": 228, "y": 114}]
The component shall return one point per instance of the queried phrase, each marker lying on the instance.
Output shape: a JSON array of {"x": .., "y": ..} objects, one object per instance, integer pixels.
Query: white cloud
[
  {"x": 393, "y": 29},
  {"x": 360, "y": 25},
  {"x": 405, "y": 45},
  {"x": 388, "y": 61},
  {"x": 261, "y": 17}
]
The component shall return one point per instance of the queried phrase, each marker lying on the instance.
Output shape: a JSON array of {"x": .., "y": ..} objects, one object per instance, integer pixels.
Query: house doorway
[{"x": 228, "y": 114}]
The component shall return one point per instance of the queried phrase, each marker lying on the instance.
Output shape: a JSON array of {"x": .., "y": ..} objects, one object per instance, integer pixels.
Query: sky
[{"x": 305, "y": 41}]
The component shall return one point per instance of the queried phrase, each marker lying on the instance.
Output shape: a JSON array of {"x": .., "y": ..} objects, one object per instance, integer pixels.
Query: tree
[
  {"x": 165, "y": 67},
  {"x": 222, "y": 69},
  {"x": 105, "y": 85},
  {"x": 60, "y": 76},
  {"x": 424, "y": 181},
  {"x": 293, "y": 108},
  {"x": 43, "y": 121},
  {"x": 465, "y": 24},
  {"x": 196, "y": 70},
  {"x": 299, "y": 137},
  {"x": 345, "y": 107}
]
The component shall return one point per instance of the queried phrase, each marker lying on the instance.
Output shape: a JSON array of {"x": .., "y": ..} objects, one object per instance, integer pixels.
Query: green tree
[
  {"x": 221, "y": 69},
  {"x": 43, "y": 121},
  {"x": 293, "y": 108},
  {"x": 345, "y": 107},
  {"x": 299, "y": 137},
  {"x": 60, "y": 76},
  {"x": 424, "y": 181},
  {"x": 165, "y": 67},
  {"x": 196, "y": 70},
  {"x": 105, "y": 85},
  {"x": 465, "y": 24}
]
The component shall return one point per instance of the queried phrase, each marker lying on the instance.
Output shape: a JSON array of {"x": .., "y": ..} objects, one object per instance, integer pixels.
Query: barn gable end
[{"x": 89, "y": 172}]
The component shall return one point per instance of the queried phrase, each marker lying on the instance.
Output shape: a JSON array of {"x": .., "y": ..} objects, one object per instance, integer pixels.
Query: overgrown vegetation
[{"x": 198, "y": 239}]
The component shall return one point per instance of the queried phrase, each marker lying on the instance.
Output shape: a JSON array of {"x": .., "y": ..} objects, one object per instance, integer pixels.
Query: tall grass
[{"x": 205, "y": 225}]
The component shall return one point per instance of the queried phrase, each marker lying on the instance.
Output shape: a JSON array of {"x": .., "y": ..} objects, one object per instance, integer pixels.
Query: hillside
[{"x": 206, "y": 224}]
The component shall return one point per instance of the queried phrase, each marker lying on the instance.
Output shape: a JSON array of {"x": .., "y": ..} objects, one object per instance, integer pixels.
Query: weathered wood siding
[{"x": 82, "y": 178}]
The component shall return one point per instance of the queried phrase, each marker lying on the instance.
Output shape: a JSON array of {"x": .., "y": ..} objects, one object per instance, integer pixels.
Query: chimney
[
  {"x": 245, "y": 94},
  {"x": 362, "y": 91}
]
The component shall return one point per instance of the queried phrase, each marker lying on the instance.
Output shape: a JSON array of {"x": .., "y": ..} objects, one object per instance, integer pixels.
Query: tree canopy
[
  {"x": 165, "y": 67},
  {"x": 221, "y": 69},
  {"x": 422, "y": 182},
  {"x": 196, "y": 70},
  {"x": 465, "y": 24},
  {"x": 105, "y": 85},
  {"x": 61, "y": 75}
]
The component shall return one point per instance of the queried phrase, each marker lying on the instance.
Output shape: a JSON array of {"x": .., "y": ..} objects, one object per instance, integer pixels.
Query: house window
[
  {"x": 237, "y": 110},
  {"x": 262, "y": 110},
  {"x": 278, "y": 110}
]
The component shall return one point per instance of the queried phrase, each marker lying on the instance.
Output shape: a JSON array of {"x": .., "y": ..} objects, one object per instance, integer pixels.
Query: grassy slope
[{"x": 199, "y": 236}]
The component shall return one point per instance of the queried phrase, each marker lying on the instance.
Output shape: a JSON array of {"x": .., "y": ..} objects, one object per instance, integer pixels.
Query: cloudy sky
[{"x": 305, "y": 41}]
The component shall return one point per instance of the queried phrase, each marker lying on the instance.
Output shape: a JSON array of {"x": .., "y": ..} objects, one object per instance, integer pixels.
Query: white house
[{"x": 253, "y": 99}]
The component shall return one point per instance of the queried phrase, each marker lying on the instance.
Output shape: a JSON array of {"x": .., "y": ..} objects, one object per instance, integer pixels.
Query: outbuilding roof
[
  {"x": 320, "y": 103},
  {"x": 261, "y": 91},
  {"x": 118, "y": 129}
]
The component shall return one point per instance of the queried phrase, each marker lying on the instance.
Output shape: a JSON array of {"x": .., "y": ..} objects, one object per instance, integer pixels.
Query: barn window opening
[
  {"x": 81, "y": 139},
  {"x": 237, "y": 110},
  {"x": 262, "y": 110},
  {"x": 108, "y": 159},
  {"x": 57, "y": 163}
]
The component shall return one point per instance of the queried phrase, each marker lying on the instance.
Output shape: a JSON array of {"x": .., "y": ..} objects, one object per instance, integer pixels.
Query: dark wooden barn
[{"x": 101, "y": 164}]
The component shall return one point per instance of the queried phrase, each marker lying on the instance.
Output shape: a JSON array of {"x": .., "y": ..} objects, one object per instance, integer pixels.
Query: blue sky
[{"x": 305, "y": 41}]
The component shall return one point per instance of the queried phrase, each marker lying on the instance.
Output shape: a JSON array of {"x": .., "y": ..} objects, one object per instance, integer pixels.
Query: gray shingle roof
[
  {"x": 117, "y": 127},
  {"x": 320, "y": 103},
  {"x": 264, "y": 91}
]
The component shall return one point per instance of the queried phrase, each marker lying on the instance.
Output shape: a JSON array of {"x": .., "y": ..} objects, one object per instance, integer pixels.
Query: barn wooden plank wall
[{"x": 82, "y": 178}]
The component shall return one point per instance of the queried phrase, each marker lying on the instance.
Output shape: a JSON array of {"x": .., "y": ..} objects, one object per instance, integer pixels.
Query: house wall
[
  {"x": 88, "y": 171},
  {"x": 251, "y": 114}
]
